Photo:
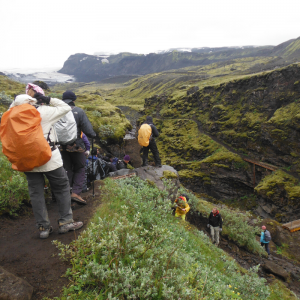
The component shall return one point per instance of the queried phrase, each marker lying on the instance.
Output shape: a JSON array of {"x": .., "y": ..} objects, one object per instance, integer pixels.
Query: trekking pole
[{"x": 93, "y": 168}]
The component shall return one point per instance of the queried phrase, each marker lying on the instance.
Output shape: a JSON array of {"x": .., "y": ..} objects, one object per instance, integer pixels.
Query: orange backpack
[
  {"x": 144, "y": 135},
  {"x": 22, "y": 138}
]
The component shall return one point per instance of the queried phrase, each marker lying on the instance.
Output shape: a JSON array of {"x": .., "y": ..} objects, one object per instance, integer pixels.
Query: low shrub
[
  {"x": 235, "y": 224},
  {"x": 5, "y": 99},
  {"x": 136, "y": 249},
  {"x": 13, "y": 190}
]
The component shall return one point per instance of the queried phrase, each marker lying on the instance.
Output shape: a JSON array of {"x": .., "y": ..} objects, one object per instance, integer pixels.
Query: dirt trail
[{"x": 24, "y": 254}]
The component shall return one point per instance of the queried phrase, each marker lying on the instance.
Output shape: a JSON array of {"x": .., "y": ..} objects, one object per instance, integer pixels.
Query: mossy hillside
[
  {"x": 174, "y": 82},
  {"x": 280, "y": 188},
  {"x": 243, "y": 113},
  {"x": 196, "y": 156},
  {"x": 11, "y": 87}
]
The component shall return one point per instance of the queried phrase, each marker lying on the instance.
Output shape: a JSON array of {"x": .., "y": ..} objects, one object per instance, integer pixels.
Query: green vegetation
[
  {"x": 277, "y": 184},
  {"x": 134, "y": 248},
  {"x": 14, "y": 190}
]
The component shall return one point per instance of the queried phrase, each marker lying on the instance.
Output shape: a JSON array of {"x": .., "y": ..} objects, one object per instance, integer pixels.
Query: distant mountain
[{"x": 88, "y": 68}]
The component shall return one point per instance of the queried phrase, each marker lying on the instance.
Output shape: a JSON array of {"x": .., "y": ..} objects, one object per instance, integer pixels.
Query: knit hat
[
  {"x": 149, "y": 120},
  {"x": 35, "y": 87},
  {"x": 263, "y": 227},
  {"x": 69, "y": 95},
  {"x": 126, "y": 157}
]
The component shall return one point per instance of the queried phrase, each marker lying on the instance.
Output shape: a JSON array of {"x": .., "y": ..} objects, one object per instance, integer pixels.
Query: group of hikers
[
  {"x": 68, "y": 162},
  {"x": 36, "y": 123},
  {"x": 215, "y": 222}
]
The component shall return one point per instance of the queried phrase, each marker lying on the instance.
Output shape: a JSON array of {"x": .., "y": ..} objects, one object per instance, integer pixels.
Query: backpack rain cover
[{"x": 23, "y": 141}]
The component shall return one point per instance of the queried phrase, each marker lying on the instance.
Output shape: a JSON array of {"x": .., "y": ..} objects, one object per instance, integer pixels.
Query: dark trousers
[
  {"x": 61, "y": 189},
  {"x": 74, "y": 164},
  {"x": 266, "y": 247},
  {"x": 152, "y": 146}
]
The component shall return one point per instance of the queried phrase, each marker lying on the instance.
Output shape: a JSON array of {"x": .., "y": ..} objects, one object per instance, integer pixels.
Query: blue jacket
[{"x": 262, "y": 238}]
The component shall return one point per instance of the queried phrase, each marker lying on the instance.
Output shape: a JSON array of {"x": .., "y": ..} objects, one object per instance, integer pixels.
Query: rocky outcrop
[
  {"x": 13, "y": 287},
  {"x": 275, "y": 269},
  {"x": 153, "y": 175}
]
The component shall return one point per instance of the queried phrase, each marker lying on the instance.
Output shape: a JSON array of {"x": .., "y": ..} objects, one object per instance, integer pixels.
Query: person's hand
[
  {"x": 208, "y": 225},
  {"x": 220, "y": 229},
  {"x": 87, "y": 152},
  {"x": 40, "y": 98}
]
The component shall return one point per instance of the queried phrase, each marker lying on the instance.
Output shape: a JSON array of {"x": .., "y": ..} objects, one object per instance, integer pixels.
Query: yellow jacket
[{"x": 185, "y": 206}]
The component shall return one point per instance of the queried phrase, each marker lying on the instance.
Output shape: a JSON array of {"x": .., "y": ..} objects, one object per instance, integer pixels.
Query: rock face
[
  {"x": 275, "y": 269},
  {"x": 13, "y": 287}
]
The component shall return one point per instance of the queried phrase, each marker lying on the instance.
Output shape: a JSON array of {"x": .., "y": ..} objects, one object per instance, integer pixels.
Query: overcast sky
[{"x": 39, "y": 34}]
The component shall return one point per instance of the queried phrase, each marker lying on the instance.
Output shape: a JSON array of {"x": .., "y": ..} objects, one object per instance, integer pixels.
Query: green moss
[
  {"x": 169, "y": 175},
  {"x": 279, "y": 181}
]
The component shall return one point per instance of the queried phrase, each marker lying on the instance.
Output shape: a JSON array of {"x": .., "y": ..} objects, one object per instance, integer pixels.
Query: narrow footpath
[{"x": 25, "y": 255}]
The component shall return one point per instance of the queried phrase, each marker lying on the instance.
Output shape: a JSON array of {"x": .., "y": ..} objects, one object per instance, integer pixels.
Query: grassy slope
[{"x": 143, "y": 250}]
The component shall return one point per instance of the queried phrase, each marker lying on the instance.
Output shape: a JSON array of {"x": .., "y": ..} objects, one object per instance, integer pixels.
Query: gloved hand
[
  {"x": 87, "y": 152},
  {"x": 208, "y": 225},
  {"x": 40, "y": 98},
  {"x": 220, "y": 229}
]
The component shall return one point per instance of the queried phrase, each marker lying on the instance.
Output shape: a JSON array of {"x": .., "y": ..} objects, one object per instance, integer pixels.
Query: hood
[{"x": 22, "y": 99}]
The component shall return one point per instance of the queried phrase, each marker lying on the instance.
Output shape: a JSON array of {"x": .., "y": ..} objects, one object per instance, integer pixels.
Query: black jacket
[
  {"x": 215, "y": 221},
  {"x": 83, "y": 123}
]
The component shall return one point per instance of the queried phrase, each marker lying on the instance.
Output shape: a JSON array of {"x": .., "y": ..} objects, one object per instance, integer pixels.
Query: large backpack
[
  {"x": 267, "y": 236},
  {"x": 66, "y": 129},
  {"x": 96, "y": 169},
  {"x": 22, "y": 138},
  {"x": 144, "y": 135}
]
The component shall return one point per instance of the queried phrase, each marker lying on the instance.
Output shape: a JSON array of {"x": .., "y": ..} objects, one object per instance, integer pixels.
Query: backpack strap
[{"x": 51, "y": 144}]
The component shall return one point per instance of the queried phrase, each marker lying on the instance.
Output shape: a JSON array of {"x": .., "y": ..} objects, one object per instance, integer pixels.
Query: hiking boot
[
  {"x": 145, "y": 163},
  {"x": 77, "y": 198},
  {"x": 70, "y": 226},
  {"x": 44, "y": 233}
]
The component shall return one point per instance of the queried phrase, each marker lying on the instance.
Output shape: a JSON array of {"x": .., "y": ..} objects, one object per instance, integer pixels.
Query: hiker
[
  {"x": 182, "y": 207},
  {"x": 73, "y": 155},
  {"x": 53, "y": 169},
  {"x": 147, "y": 141},
  {"x": 125, "y": 163},
  {"x": 215, "y": 224},
  {"x": 265, "y": 238}
]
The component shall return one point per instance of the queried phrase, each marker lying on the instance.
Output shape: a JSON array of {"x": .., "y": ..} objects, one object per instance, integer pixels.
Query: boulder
[
  {"x": 156, "y": 175},
  {"x": 13, "y": 287},
  {"x": 275, "y": 269}
]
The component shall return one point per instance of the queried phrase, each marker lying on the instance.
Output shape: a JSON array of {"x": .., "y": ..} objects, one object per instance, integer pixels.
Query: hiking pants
[
  {"x": 214, "y": 232},
  {"x": 61, "y": 189},
  {"x": 74, "y": 164},
  {"x": 266, "y": 247},
  {"x": 180, "y": 216},
  {"x": 152, "y": 146}
]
